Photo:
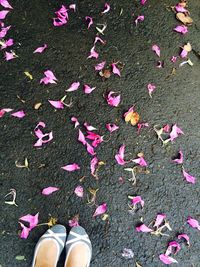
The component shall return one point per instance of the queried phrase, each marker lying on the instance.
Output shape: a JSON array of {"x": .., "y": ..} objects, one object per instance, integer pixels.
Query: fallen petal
[
  {"x": 73, "y": 87},
  {"x": 19, "y": 114},
  {"x": 137, "y": 200},
  {"x": 3, "y": 14},
  {"x": 90, "y": 21},
  {"x": 100, "y": 66},
  {"x": 115, "y": 70},
  {"x": 71, "y": 167},
  {"x": 40, "y": 49},
  {"x": 49, "y": 190},
  {"x": 193, "y": 223},
  {"x": 112, "y": 127},
  {"x": 79, "y": 191},
  {"x": 106, "y": 8},
  {"x": 151, "y": 88},
  {"x": 100, "y": 210},
  {"x": 186, "y": 237},
  {"x": 31, "y": 219},
  {"x": 179, "y": 160},
  {"x": 155, "y": 48},
  {"x": 113, "y": 100},
  {"x": 181, "y": 29},
  {"x": 159, "y": 220},
  {"x": 87, "y": 89},
  {"x": 141, "y": 161},
  {"x": 166, "y": 259},
  {"x": 5, "y": 4},
  {"x": 56, "y": 104},
  {"x": 176, "y": 131},
  {"x": 75, "y": 120},
  {"x": 81, "y": 138},
  {"x": 139, "y": 18},
  {"x": 143, "y": 228},
  {"x": 93, "y": 53},
  {"x": 189, "y": 178},
  {"x": 94, "y": 165}
]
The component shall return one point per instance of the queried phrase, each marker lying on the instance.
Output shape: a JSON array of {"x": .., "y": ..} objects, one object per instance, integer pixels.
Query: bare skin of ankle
[
  {"x": 47, "y": 254},
  {"x": 78, "y": 256}
]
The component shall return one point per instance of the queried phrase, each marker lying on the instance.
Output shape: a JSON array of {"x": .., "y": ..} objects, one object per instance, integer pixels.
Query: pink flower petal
[
  {"x": 100, "y": 66},
  {"x": 93, "y": 53},
  {"x": 4, "y": 31},
  {"x": 62, "y": 17},
  {"x": 166, "y": 259},
  {"x": 183, "y": 53},
  {"x": 113, "y": 100},
  {"x": 151, "y": 88},
  {"x": 7, "y": 43},
  {"x": 180, "y": 8},
  {"x": 73, "y": 87},
  {"x": 5, "y": 4},
  {"x": 56, "y": 104},
  {"x": 97, "y": 139},
  {"x": 87, "y": 89},
  {"x": 166, "y": 128},
  {"x": 75, "y": 120},
  {"x": 141, "y": 126},
  {"x": 160, "y": 64},
  {"x": 49, "y": 190},
  {"x": 175, "y": 132},
  {"x": 3, "y": 111},
  {"x": 10, "y": 55},
  {"x": 106, "y": 8},
  {"x": 129, "y": 111},
  {"x": 179, "y": 160},
  {"x": 100, "y": 210},
  {"x": 186, "y": 237},
  {"x": 112, "y": 127},
  {"x": 81, "y": 138},
  {"x": 155, "y": 48},
  {"x": 42, "y": 138},
  {"x": 93, "y": 165},
  {"x": 49, "y": 77},
  {"x": 73, "y": 7},
  {"x": 139, "y": 18},
  {"x": 89, "y": 127},
  {"x": 98, "y": 39},
  {"x": 115, "y": 70},
  {"x": 25, "y": 231},
  {"x": 31, "y": 219},
  {"x": 3, "y": 14},
  {"x": 73, "y": 222},
  {"x": 79, "y": 191},
  {"x": 19, "y": 114},
  {"x": 90, "y": 149},
  {"x": 193, "y": 223},
  {"x": 171, "y": 245},
  {"x": 71, "y": 167},
  {"x": 159, "y": 220},
  {"x": 143, "y": 228},
  {"x": 143, "y": 2},
  {"x": 189, "y": 178},
  {"x": 136, "y": 200},
  {"x": 141, "y": 161},
  {"x": 120, "y": 156},
  {"x": 181, "y": 29},
  {"x": 90, "y": 21},
  {"x": 40, "y": 49},
  {"x": 173, "y": 59}
]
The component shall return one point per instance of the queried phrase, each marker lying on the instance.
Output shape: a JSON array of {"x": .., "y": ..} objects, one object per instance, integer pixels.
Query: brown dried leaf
[
  {"x": 137, "y": 264},
  {"x": 185, "y": 19},
  {"x": 52, "y": 221},
  {"x": 187, "y": 47}
]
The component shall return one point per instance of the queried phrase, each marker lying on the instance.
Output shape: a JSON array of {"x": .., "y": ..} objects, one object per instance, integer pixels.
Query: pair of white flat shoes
[{"x": 58, "y": 234}]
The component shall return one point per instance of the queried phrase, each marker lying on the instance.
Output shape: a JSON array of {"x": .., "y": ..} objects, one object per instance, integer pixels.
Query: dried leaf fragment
[
  {"x": 28, "y": 75},
  {"x": 37, "y": 106},
  {"x": 52, "y": 221},
  {"x": 185, "y": 19}
]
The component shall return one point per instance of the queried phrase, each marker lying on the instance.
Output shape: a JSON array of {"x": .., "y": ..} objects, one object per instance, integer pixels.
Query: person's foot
[
  {"x": 47, "y": 254},
  {"x": 78, "y": 248},
  {"x": 49, "y": 247},
  {"x": 78, "y": 256}
]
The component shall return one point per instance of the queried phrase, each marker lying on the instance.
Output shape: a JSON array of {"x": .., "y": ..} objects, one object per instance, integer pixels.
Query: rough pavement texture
[{"x": 176, "y": 100}]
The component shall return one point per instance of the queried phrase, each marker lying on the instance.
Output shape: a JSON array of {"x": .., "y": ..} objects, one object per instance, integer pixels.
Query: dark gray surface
[{"x": 176, "y": 100}]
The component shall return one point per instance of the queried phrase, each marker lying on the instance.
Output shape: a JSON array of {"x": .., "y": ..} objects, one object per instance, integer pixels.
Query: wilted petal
[
  {"x": 90, "y": 21},
  {"x": 40, "y": 49},
  {"x": 49, "y": 77},
  {"x": 181, "y": 29},
  {"x": 193, "y": 223},
  {"x": 142, "y": 125},
  {"x": 4, "y": 31},
  {"x": 31, "y": 219},
  {"x": 173, "y": 59},
  {"x": 167, "y": 259},
  {"x": 7, "y": 43},
  {"x": 179, "y": 160},
  {"x": 56, "y": 104},
  {"x": 166, "y": 128},
  {"x": 10, "y": 55},
  {"x": 98, "y": 39},
  {"x": 106, "y": 8},
  {"x": 136, "y": 200},
  {"x": 90, "y": 149},
  {"x": 100, "y": 210},
  {"x": 175, "y": 132},
  {"x": 79, "y": 191},
  {"x": 3, "y": 14},
  {"x": 73, "y": 87},
  {"x": 87, "y": 89},
  {"x": 120, "y": 156},
  {"x": 141, "y": 161},
  {"x": 127, "y": 253},
  {"x": 183, "y": 53},
  {"x": 189, "y": 178},
  {"x": 5, "y": 4},
  {"x": 75, "y": 120},
  {"x": 19, "y": 114},
  {"x": 49, "y": 190},
  {"x": 143, "y": 228},
  {"x": 71, "y": 167},
  {"x": 115, "y": 70},
  {"x": 112, "y": 127},
  {"x": 73, "y": 7},
  {"x": 93, "y": 53},
  {"x": 74, "y": 222},
  {"x": 100, "y": 66},
  {"x": 94, "y": 165},
  {"x": 139, "y": 18},
  {"x": 159, "y": 220},
  {"x": 113, "y": 100},
  {"x": 155, "y": 48},
  {"x": 151, "y": 88},
  {"x": 180, "y": 8}
]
